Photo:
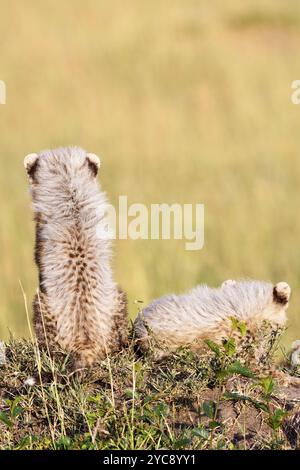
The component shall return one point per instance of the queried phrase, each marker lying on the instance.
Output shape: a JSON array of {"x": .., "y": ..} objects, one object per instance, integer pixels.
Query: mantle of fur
[
  {"x": 83, "y": 310},
  {"x": 205, "y": 313}
]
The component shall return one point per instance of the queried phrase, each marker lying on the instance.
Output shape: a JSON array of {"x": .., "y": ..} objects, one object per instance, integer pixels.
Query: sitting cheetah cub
[
  {"x": 78, "y": 306},
  {"x": 205, "y": 313}
]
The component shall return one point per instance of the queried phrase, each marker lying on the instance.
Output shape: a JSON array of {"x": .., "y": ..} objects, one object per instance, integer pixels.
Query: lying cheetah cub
[
  {"x": 205, "y": 313},
  {"x": 78, "y": 306}
]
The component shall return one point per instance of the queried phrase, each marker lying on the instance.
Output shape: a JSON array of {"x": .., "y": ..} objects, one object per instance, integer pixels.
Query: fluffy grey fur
[
  {"x": 78, "y": 306},
  {"x": 204, "y": 313}
]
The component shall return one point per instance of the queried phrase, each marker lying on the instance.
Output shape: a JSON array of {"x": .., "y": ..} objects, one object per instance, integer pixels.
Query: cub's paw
[{"x": 281, "y": 293}]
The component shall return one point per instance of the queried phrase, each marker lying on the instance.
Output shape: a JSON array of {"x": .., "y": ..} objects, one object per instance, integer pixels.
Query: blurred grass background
[{"x": 186, "y": 101}]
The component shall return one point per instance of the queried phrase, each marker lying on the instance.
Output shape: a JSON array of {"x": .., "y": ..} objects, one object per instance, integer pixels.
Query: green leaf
[
  {"x": 25, "y": 442},
  {"x": 181, "y": 443},
  {"x": 229, "y": 347},
  {"x": 276, "y": 419},
  {"x": 243, "y": 328},
  {"x": 238, "y": 368},
  {"x": 200, "y": 432},
  {"x": 63, "y": 443},
  {"x": 161, "y": 410},
  {"x": 222, "y": 374},
  {"x": 149, "y": 398},
  {"x": 15, "y": 410},
  {"x": 260, "y": 405},
  {"x": 209, "y": 409},
  {"x": 130, "y": 393},
  {"x": 94, "y": 399},
  {"x": 213, "y": 346},
  {"x": 267, "y": 384},
  {"x": 239, "y": 326},
  {"x": 221, "y": 444},
  {"x": 5, "y": 419},
  {"x": 91, "y": 418},
  {"x": 214, "y": 424},
  {"x": 138, "y": 367},
  {"x": 236, "y": 396}
]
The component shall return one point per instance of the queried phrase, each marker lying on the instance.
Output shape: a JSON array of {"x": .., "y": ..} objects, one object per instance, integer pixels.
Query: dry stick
[
  {"x": 244, "y": 426},
  {"x": 168, "y": 429},
  {"x": 93, "y": 434},
  {"x": 38, "y": 360},
  {"x": 52, "y": 362},
  {"x": 133, "y": 404}
]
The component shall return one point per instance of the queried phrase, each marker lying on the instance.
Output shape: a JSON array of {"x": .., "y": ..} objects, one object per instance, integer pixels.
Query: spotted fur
[
  {"x": 205, "y": 313},
  {"x": 78, "y": 307}
]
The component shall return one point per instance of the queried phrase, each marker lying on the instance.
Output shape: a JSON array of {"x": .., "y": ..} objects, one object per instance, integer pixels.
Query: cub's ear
[
  {"x": 296, "y": 344},
  {"x": 30, "y": 164},
  {"x": 93, "y": 162}
]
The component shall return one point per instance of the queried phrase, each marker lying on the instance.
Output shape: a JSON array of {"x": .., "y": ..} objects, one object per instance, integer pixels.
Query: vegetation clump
[{"x": 215, "y": 401}]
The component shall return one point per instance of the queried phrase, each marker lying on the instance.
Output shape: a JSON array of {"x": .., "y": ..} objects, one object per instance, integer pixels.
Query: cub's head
[{"x": 61, "y": 166}]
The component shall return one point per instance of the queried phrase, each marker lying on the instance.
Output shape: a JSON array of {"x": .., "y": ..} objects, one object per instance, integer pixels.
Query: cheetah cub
[
  {"x": 78, "y": 306},
  {"x": 205, "y": 313}
]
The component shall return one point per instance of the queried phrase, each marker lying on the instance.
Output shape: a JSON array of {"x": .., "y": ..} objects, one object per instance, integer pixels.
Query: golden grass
[{"x": 185, "y": 102}]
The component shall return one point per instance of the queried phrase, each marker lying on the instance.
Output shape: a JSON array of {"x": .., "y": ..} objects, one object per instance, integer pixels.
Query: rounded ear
[
  {"x": 30, "y": 163},
  {"x": 30, "y": 160},
  {"x": 296, "y": 344},
  {"x": 93, "y": 162}
]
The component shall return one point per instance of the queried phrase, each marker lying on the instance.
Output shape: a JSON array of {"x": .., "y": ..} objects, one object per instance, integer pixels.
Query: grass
[{"x": 217, "y": 401}]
